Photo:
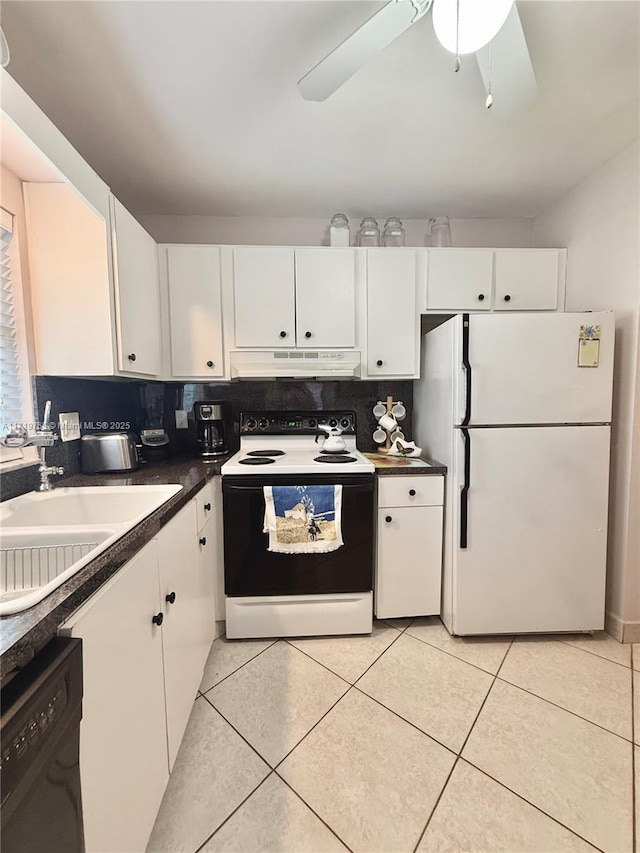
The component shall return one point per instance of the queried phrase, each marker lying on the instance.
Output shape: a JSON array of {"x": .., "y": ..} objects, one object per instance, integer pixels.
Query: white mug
[
  {"x": 399, "y": 411},
  {"x": 379, "y": 436},
  {"x": 388, "y": 422},
  {"x": 379, "y": 409},
  {"x": 397, "y": 434}
]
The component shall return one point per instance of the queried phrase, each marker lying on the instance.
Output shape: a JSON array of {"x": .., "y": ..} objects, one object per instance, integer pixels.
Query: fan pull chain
[
  {"x": 458, "y": 64},
  {"x": 489, "y": 102}
]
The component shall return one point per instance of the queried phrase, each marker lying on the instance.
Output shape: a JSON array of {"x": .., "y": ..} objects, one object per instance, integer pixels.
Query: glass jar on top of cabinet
[
  {"x": 393, "y": 234},
  {"x": 369, "y": 233}
]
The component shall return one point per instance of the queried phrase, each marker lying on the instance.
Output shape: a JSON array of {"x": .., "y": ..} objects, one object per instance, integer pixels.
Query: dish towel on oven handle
[{"x": 303, "y": 519}]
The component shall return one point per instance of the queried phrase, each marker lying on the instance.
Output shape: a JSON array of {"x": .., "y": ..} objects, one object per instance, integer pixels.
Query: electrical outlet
[
  {"x": 69, "y": 426},
  {"x": 182, "y": 419}
]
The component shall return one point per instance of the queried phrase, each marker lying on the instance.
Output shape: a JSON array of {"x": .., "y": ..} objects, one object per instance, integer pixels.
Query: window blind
[{"x": 11, "y": 411}]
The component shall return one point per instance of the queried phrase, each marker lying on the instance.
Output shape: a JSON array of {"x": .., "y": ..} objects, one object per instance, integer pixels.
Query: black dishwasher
[{"x": 41, "y": 805}]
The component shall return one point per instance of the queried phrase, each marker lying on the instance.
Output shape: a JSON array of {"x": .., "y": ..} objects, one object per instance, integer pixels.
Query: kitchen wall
[
  {"x": 599, "y": 222},
  {"x": 275, "y": 231},
  {"x": 96, "y": 401},
  {"x": 244, "y": 396}
]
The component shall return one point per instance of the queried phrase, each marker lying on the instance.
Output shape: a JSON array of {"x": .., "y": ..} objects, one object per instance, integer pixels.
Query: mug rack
[{"x": 390, "y": 403}]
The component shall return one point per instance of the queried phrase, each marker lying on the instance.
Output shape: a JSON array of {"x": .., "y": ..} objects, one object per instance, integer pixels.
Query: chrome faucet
[{"x": 44, "y": 437}]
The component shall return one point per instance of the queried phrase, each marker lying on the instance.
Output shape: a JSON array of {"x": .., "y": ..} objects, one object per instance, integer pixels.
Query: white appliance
[
  {"x": 510, "y": 405},
  {"x": 271, "y": 594},
  {"x": 284, "y": 364}
]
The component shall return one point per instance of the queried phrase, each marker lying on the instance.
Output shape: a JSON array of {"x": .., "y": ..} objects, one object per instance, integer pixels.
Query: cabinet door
[
  {"x": 264, "y": 292},
  {"x": 123, "y": 735},
  {"x": 393, "y": 320},
  {"x": 409, "y": 561},
  {"x": 206, "y": 581},
  {"x": 526, "y": 279},
  {"x": 195, "y": 318},
  {"x": 182, "y": 627},
  {"x": 135, "y": 269},
  {"x": 459, "y": 279},
  {"x": 325, "y": 298}
]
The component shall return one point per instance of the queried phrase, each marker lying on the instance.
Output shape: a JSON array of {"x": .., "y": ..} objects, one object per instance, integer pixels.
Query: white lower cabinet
[
  {"x": 145, "y": 638},
  {"x": 409, "y": 546},
  {"x": 123, "y": 734}
]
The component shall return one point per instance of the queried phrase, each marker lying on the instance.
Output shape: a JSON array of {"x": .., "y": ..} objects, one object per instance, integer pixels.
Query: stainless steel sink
[{"x": 45, "y": 538}]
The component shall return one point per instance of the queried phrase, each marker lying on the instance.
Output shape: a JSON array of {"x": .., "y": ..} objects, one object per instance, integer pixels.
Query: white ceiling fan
[{"x": 490, "y": 29}]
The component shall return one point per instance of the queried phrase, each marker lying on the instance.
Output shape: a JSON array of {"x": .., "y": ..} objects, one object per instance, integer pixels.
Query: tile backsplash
[{"x": 103, "y": 404}]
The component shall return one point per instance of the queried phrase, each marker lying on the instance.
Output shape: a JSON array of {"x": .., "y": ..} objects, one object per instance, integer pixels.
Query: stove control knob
[
  {"x": 263, "y": 423},
  {"x": 313, "y": 423},
  {"x": 345, "y": 423},
  {"x": 251, "y": 423},
  {"x": 333, "y": 422}
]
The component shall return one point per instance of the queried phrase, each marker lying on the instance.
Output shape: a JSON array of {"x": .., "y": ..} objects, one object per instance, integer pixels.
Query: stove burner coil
[
  {"x": 266, "y": 453},
  {"x": 256, "y": 460},
  {"x": 335, "y": 458}
]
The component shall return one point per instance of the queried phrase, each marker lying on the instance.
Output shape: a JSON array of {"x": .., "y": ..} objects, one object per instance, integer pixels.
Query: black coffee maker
[{"x": 210, "y": 437}]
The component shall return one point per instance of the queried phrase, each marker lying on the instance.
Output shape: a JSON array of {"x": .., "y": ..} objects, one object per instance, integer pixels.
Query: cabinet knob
[
  {"x": 379, "y": 362},
  {"x": 170, "y": 599},
  {"x": 507, "y": 298},
  {"x": 210, "y": 364},
  {"x": 207, "y": 507},
  {"x": 132, "y": 356},
  {"x": 412, "y": 492},
  {"x": 388, "y": 519},
  {"x": 203, "y": 540},
  {"x": 307, "y": 334},
  {"x": 283, "y": 334},
  {"x": 158, "y": 619},
  {"x": 480, "y": 297}
]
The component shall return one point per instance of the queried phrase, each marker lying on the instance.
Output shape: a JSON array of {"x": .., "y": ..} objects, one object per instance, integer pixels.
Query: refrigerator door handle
[
  {"x": 464, "y": 493},
  {"x": 467, "y": 368}
]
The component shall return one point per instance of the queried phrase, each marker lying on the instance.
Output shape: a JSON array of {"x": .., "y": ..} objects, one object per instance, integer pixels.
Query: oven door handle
[{"x": 351, "y": 487}]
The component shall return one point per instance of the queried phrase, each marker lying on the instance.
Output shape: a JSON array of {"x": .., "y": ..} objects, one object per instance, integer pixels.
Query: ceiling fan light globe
[{"x": 480, "y": 21}]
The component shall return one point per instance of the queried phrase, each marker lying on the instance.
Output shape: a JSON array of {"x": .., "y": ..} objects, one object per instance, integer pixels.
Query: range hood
[{"x": 295, "y": 364}]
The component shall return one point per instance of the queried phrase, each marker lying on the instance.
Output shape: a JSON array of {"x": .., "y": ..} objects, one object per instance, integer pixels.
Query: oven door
[{"x": 251, "y": 570}]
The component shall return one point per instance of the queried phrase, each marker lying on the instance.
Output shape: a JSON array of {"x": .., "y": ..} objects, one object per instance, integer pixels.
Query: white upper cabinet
[
  {"x": 393, "y": 317},
  {"x": 527, "y": 279},
  {"x": 325, "y": 298},
  {"x": 459, "y": 279},
  {"x": 264, "y": 293},
  {"x": 135, "y": 269},
  {"x": 194, "y": 307},
  {"x": 294, "y": 297},
  {"x": 73, "y": 319}
]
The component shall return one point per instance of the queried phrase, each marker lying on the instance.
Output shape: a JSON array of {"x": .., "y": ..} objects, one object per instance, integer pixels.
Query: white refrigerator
[{"x": 518, "y": 406}]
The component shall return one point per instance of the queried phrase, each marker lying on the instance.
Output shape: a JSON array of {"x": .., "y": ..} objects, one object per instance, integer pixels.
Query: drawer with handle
[{"x": 412, "y": 490}]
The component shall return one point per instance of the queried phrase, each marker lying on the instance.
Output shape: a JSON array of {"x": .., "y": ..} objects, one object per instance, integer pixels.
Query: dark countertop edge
[
  {"x": 23, "y": 634},
  {"x": 435, "y": 469}
]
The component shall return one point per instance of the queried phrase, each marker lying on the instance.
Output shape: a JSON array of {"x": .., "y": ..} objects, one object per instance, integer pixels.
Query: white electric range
[{"x": 270, "y": 594}]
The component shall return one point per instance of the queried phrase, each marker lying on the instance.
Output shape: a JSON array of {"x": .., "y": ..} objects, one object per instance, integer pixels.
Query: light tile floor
[{"x": 409, "y": 740}]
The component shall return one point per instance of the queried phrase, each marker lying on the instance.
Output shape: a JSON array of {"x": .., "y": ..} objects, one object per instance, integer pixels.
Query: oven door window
[{"x": 250, "y": 569}]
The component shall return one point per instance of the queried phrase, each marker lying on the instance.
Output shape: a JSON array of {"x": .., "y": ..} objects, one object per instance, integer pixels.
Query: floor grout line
[
  {"x": 457, "y": 657},
  {"x": 578, "y": 649},
  {"x": 257, "y": 654},
  {"x": 240, "y": 735},
  {"x": 322, "y": 820},
  {"x": 229, "y": 816},
  {"x": 458, "y": 756},
  {"x": 573, "y": 713},
  {"x": 323, "y": 665},
  {"x": 528, "y": 802}
]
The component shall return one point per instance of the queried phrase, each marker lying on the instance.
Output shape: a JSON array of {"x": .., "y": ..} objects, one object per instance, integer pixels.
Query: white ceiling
[{"x": 192, "y": 107}]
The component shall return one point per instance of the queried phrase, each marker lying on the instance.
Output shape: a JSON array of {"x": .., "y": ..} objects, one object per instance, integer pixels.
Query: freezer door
[
  {"x": 524, "y": 369},
  {"x": 535, "y": 558}
]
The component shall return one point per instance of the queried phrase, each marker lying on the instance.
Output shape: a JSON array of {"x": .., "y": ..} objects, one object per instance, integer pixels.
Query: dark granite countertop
[
  {"x": 390, "y": 466},
  {"x": 23, "y": 634}
]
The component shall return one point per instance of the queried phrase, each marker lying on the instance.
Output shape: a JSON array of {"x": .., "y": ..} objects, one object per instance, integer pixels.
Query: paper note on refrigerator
[{"x": 589, "y": 346}]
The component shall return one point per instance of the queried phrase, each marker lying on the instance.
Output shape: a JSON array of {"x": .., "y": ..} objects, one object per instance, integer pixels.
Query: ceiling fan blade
[
  {"x": 372, "y": 37},
  {"x": 507, "y": 61}
]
